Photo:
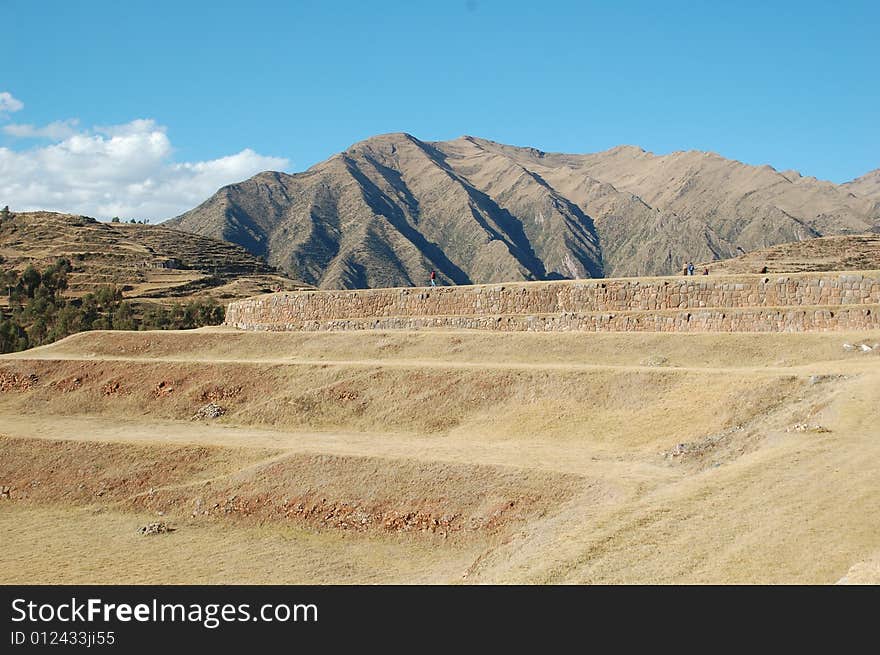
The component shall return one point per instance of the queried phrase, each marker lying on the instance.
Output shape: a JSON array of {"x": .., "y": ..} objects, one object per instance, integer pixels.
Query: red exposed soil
[
  {"x": 17, "y": 382},
  {"x": 215, "y": 394},
  {"x": 349, "y": 494}
]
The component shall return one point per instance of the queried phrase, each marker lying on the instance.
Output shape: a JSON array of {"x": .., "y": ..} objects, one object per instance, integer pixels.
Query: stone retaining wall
[{"x": 742, "y": 303}]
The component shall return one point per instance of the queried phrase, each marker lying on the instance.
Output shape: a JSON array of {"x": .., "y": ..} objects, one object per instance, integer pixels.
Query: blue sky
[{"x": 233, "y": 86}]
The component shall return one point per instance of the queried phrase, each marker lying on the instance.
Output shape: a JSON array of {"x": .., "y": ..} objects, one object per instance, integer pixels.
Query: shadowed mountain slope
[{"x": 390, "y": 209}]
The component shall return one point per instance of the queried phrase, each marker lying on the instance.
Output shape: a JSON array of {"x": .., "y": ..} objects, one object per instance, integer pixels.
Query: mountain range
[{"x": 388, "y": 210}]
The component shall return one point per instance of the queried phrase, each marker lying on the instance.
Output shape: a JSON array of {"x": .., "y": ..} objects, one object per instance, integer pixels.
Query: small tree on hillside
[
  {"x": 55, "y": 277},
  {"x": 123, "y": 317},
  {"x": 8, "y": 280},
  {"x": 31, "y": 279},
  {"x": 12, "y": 336}
]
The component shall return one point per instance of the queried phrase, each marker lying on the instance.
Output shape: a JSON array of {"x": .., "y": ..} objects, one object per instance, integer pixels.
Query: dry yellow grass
[
  {"x": 735, "y": 350},
  {"x": 53, "y": 545},
  {"x": 626, "y": 457}
]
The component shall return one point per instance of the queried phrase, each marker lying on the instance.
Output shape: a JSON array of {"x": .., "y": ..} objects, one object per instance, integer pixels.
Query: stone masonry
[{"x": 797, "y": 302}]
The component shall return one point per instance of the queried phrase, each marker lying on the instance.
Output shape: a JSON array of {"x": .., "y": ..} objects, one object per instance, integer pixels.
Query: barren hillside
[
  {"x": 149, "y": 262},
  {"x": 867, "y": 185},
  {"x": 390, "y": 209},
  {"x": 837, "y": 253}
]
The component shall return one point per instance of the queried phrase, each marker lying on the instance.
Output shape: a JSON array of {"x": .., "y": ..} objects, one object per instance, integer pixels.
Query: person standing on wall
[
  {"x": 690, "y": 268},
  {"x": 433, "y": 278}
]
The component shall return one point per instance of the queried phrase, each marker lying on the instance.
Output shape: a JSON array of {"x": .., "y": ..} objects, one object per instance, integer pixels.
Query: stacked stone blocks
[{"x": 743, "y": 303}]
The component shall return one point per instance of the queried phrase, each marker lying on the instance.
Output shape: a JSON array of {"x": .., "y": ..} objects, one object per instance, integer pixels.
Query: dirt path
[
  {"x": 559, "y": 458},
  {"x": 826, "y": 367}
]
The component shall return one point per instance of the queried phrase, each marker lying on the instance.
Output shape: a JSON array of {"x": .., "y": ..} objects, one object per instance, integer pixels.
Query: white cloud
[
  {"x": 55, "y": 130},
  {"x": 9, "y": 104},
  {"x": 118, "y": 170}
]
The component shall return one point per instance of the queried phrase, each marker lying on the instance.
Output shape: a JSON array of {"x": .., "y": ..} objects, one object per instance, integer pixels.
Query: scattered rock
[
  {"x": 112, "y": 388},
  {"x": 156, "y": 528},
  {"x": 804, "y": 427},
  {"x": 163, "y": 389},
  {"x": 211, "y": 410},
  {"x": 68, "y": 384},
  {"x": 818, "y": 379},
  {"x": 15, "y": 382},
  {"x": 862, "y": 347},
  {"x": 215, "y": 394},
  {"x": 5, "y": 492},
  {"x": 703, "y": 446}
]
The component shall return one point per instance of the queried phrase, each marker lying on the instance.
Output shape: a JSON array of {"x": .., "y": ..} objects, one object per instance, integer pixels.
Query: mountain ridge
[
  {"x": 390, "y": 208},
  {"x": 866, "y": 185}
]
